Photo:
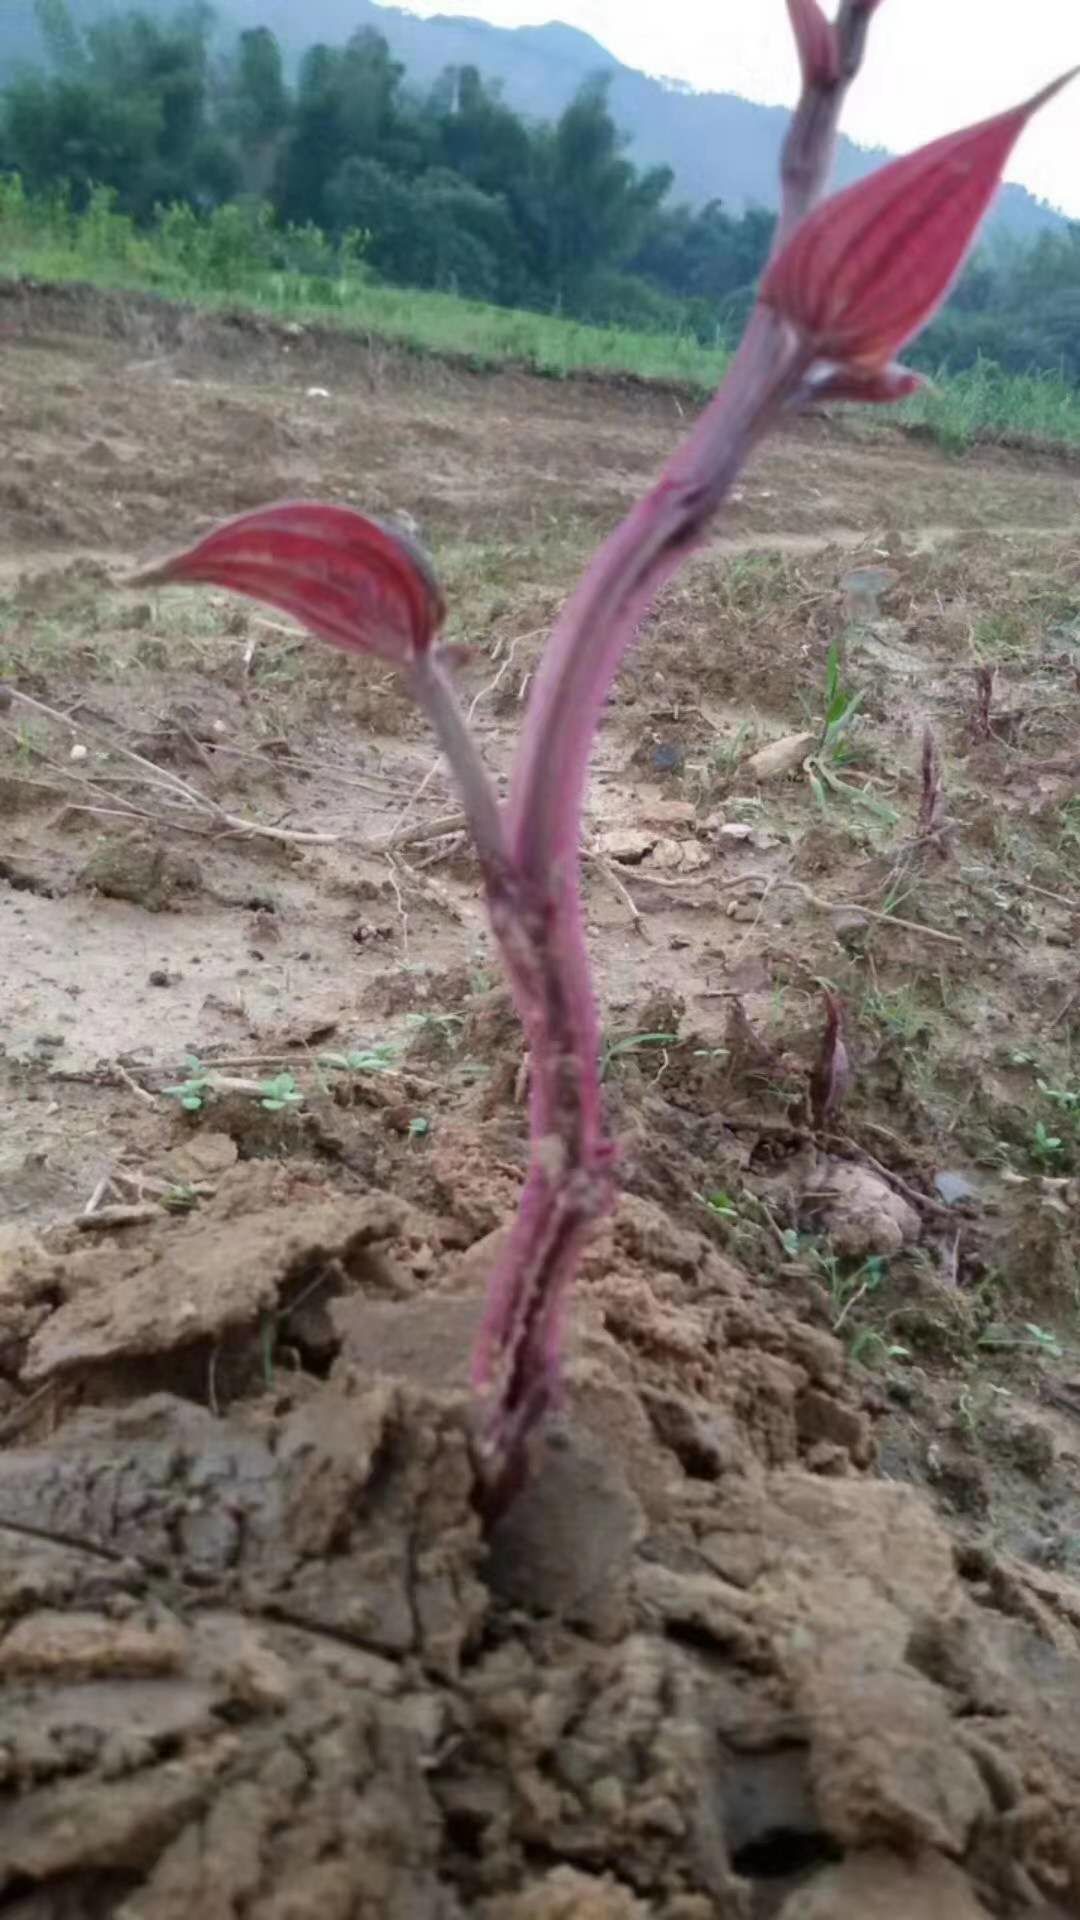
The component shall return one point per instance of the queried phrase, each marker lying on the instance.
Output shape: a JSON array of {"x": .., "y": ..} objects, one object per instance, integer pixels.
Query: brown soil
[{"x": 787, "y": 1622}]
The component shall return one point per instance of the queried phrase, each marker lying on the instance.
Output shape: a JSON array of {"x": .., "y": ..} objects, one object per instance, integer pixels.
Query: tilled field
[{"x": 788, "y": 1622}]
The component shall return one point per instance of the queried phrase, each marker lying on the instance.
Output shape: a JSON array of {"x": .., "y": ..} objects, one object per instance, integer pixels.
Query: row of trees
[
  {"x": 1019, "y": 307},
  {"x": 451, "y": 188}
]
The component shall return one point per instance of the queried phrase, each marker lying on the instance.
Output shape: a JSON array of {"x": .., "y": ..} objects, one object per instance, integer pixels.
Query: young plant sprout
[{"x": 851, "y": 280}]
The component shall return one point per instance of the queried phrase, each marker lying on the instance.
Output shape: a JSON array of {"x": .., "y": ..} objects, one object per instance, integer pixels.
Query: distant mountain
[{"x": 718, "y": 145}]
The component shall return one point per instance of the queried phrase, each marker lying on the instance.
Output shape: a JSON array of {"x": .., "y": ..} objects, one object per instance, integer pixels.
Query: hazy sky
[{"x": 935, "y": 64}]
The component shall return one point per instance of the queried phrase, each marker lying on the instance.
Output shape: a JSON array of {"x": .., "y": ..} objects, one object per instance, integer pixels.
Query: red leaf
[
  {"x": 351, "y": 580},
  {"x": 815, "y": 37},
  {"x": 867, "y": 269}
]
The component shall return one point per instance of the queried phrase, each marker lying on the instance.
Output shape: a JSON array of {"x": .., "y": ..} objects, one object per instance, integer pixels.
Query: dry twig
[
  {"x": 619, "y": 888},
  {"x": 119, "y": 1216},
  {"x": 170, "y": 785}
]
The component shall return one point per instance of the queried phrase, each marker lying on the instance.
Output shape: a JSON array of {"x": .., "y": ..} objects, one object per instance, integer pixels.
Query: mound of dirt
[{"x": 265, "y": 1662}]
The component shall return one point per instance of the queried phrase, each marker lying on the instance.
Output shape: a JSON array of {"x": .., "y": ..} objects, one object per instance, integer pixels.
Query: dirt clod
[
  {"x": 140, "y": 869},
  {"x": 863, "y": 1215}
]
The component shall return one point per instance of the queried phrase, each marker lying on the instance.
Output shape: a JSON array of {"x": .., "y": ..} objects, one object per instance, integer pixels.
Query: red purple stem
[{"x": 534, "y": 889}]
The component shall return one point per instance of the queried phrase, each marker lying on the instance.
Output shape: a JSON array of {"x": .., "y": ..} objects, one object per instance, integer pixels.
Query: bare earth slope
[{"x": 788, "y": 1623}]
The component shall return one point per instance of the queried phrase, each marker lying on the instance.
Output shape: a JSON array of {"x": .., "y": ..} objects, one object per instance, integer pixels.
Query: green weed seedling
[
  {"x": 194, "y": 1092},
  {"x": 634, "y": 1043},
  {"x": 737, "y": 1216},
  {"x": 203, "y": 1084},
  {"x": 443, "y": 1026},
  {"x": 747, "y": 1216},
  {"x": 280, "y": 1093},
  {"x": 848, "y": 1286},
  {"x": 1000, "y": 636},
  {"x": 870, "y": 1349},
  {"x": 1047, "y": 1149},
  {"x": 841, "y": 708},
  {"x": 180, "y": 1198},
  {"x": 364, "y": 1060},
  {"x": 1069, "y": 831},
  {"x": 1033, "y": 1339},
  {"x": 721, "y": 1206},
  {"x": 833, "y": 750},
  {"x": 722, "y": 761},
  {"x": 1067, "y": 1098},
  {"x": 1052, "y": 1142}
]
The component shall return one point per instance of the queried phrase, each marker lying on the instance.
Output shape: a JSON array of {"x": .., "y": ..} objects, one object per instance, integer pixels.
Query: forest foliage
[{"x": 444, "y": 188}]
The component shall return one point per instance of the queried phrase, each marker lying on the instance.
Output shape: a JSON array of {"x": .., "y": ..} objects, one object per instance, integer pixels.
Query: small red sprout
[
  {"x": 933, "y": 824},
  {"x": 864, "y": 272},
  {"x": 831, "y": 1077},
  {"x": 347, "y": 578}
]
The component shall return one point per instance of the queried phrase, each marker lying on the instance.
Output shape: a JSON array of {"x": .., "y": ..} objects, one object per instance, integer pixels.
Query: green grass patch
[
  {"x": 985, "y": 403},
  {"x": 239, "y": 256}
]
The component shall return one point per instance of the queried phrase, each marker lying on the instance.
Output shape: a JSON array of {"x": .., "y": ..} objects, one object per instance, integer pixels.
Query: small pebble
[
  {"x": 952, "y": 1187},
  {"x": 850, "y": 929},
  {"x": 667, "y": 758}
]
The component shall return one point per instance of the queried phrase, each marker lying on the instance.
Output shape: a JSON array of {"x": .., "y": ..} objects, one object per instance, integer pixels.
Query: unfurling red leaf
[
  {"x": 350, "y": 580},
  {"x": 867, "y": 269},
  {"x": 815, "y": 37}
]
